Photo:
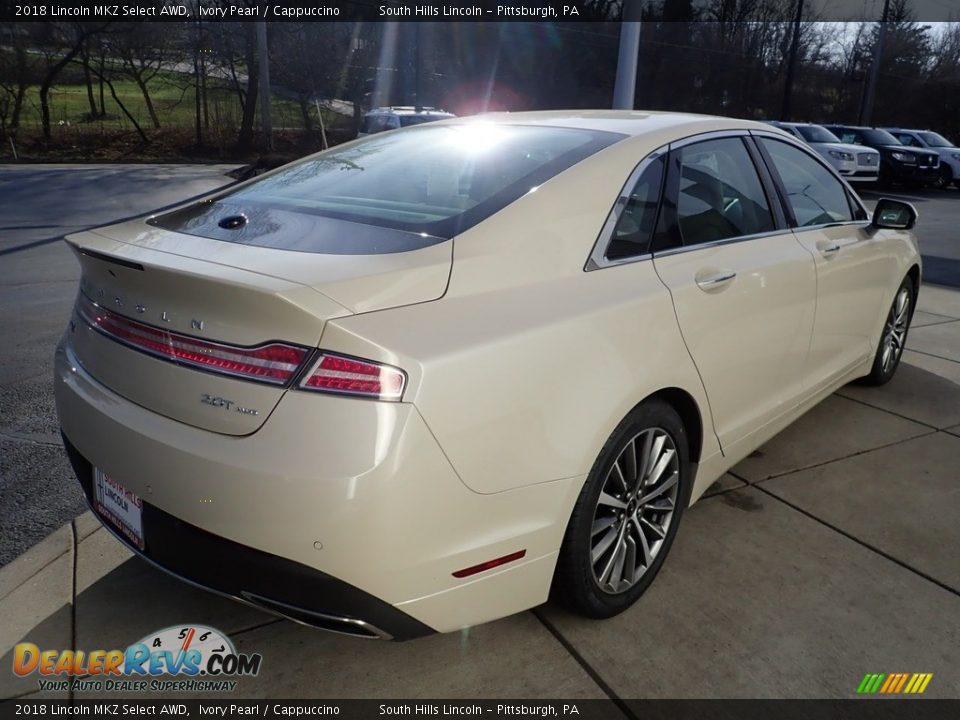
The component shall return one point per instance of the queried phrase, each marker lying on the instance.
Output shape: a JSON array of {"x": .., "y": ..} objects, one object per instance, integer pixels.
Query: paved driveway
[{"x": 39, "y": 204}]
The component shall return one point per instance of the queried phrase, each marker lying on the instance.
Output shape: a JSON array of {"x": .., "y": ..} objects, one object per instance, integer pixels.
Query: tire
[
  {"x": 894, "y": 336},
  {"x": 944, "y": 180},
  {"x": 636, "y": 521}
]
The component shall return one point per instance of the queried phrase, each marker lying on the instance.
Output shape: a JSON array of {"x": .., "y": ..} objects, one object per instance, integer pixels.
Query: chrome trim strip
[
  {"x": 598, "y": 255},
  {"x": 598, "y": 259},
  {"x": 806, "y": 228},
  {"x": 720, "y": 243},
  {"x": 712, "y": 135}
]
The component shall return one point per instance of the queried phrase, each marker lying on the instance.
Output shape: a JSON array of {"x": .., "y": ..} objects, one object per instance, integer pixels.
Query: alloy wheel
[
  {"x": 895, "y": 331},
  {"x": 634, "y": 510}
]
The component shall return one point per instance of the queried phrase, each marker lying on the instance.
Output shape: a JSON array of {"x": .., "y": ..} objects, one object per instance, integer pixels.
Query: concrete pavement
[
  {"x": 39, "y": 204},
  {"x": 829, "y": 553}
]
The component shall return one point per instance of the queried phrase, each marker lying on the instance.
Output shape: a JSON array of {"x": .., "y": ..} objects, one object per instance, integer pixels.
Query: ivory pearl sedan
[{"x": 420, "y": 380}]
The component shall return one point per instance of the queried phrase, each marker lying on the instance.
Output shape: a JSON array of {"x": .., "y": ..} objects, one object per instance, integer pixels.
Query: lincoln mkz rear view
[{"x": 427, "y": 378}]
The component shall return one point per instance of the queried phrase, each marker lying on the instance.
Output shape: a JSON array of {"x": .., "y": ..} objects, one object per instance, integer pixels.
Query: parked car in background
[
  {"x": 300, "y": 391},
  {"x": 898, "y": 163},
  {"x": 394, "y": 118},
  {"x": 854, "y": 162},
  {"x": 929, "y": 140}
]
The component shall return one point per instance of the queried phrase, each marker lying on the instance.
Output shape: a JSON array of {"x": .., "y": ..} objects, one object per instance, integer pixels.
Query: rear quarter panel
[{"x": 528, "y": 363}]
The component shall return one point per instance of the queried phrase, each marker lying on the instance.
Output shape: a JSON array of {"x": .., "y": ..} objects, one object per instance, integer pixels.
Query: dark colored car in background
[{"x": 898, "y": 163}]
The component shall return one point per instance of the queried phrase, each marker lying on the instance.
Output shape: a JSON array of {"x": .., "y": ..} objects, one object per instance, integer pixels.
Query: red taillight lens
[
  {"x": 338, "y": 374},
  {"x": 275, "y": 363}
]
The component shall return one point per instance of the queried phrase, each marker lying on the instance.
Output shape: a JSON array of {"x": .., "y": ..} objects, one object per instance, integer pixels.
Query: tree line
[{"x": 728, "y": 57}]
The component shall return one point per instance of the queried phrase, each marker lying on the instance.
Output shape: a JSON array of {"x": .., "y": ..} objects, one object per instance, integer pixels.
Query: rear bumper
[
  {"x": 339, "y": 508},
  {"x": 267, "y": 581}
]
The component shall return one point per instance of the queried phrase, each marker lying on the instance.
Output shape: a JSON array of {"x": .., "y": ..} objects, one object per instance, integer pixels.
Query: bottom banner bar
[{"x": 614, "y": 709}]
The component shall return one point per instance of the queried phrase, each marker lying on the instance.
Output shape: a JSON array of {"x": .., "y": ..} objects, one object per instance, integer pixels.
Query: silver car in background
[
  {"x": 856, "y": 163},
  {"x": 929, "y": 140}
]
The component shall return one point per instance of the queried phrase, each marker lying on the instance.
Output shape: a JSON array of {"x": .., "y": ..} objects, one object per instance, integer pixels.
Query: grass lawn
[{"x": 173, "y": 99}]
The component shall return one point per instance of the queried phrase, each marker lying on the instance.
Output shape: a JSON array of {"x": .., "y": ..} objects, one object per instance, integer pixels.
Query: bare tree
[
  {"x": 143, "y": 51},
  {"x": 16, "y": 75},
  {"x": 65, "y": 43}
]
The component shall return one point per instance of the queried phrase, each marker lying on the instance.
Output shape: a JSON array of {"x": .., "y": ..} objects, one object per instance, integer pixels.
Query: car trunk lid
[{"x": 162, "y": 317}]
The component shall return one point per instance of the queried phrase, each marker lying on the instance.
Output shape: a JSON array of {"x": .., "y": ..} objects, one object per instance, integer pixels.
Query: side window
[
  {"x": 909, "y": 140},
  {"x": 720, "y": 194},
  {"x": 816, "y": 196},
  {"x": 634, "y": 228}
]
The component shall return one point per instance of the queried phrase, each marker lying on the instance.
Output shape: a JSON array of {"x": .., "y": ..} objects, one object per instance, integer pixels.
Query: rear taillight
[
  {"x": 275, "y": 363},
  {"x": 350, "y": 376}
]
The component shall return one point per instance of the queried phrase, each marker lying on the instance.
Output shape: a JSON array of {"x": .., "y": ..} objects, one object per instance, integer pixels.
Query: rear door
[{"x": 743, "y": 289}]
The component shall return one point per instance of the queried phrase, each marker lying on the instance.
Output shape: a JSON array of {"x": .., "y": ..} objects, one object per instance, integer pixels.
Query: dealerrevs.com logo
[{"x": 204, "y": 659}]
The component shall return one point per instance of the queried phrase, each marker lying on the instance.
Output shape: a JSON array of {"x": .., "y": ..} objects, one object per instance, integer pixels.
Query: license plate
[{"x": 118, "y": 506}]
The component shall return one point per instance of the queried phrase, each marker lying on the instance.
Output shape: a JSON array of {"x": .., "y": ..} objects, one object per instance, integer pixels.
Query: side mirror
[{"x": 894, "y": 215}]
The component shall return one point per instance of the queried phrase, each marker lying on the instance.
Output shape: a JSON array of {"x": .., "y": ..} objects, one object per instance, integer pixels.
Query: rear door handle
[
  {"x": 828, "y": 248},
  {"x": 713, "y": 279}
]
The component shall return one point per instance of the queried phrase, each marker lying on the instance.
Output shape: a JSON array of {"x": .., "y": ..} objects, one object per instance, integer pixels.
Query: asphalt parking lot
[
  {"x": 829, "y": 553},
  {"x": 937, "y": 229}
]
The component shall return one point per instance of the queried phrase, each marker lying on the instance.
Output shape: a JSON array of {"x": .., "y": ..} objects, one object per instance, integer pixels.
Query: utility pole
[
  {"x": 418, "y": 103},
  {"x": 866, "y": 109},
  {"x": 263, "y": 58},
  {"x": 791, "y": 65},
  {"x": 625, "y": 86}
]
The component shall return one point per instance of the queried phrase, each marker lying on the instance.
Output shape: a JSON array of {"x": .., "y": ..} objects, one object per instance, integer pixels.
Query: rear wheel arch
[{"x": 689, "y": 412}]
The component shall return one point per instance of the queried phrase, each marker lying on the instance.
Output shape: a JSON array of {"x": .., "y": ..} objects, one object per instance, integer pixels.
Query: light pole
[
  {"x": 866, "y": 109},
  {"x": 791, "y": 64},
  {"x": 624, "y": 88},
  {"x": 263, "y": 57}
]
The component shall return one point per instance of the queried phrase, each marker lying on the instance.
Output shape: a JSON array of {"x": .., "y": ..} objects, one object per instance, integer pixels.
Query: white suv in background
[
  {"x": 856, "y": 163},
  {"x": 929, "y": 140},
  {"x": 392, "y": 118}
]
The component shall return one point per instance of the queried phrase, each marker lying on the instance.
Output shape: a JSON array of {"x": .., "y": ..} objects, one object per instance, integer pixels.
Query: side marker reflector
[{"x": 489, "y": 564}]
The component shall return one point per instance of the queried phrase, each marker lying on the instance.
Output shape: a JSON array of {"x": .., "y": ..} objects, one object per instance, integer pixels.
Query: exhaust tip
[{"x": 322, "y": 621}]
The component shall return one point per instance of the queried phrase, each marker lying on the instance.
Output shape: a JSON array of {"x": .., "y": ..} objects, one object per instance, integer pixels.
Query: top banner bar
[{"x": 721, "y": 11}]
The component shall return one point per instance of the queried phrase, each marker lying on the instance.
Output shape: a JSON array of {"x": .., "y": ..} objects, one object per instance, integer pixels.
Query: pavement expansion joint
[
  {"x": 889, "y": 412},
  {"x": 859, "y": 541},
  {"x": 584, "y": 665},
  {"x": 933, "y": 431},
  {"x": 16, "y": 437}
]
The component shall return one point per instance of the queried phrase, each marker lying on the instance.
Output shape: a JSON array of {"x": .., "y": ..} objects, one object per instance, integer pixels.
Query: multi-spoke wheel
[
  {"x": 634, "y": 510},
  {"x": 894, "y": 335},
  {"x": 627, "y": 514}
]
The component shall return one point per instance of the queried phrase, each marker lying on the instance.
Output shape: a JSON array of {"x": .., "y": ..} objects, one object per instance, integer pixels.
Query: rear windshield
[
  {"x": 425, "y": 184},
  {"x": 817, "y": 134}
]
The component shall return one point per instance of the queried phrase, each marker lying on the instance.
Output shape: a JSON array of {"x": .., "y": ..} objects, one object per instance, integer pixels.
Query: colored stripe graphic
[
  {"x": 903, "y": 679},
  {"x": 894, "y": 683}
]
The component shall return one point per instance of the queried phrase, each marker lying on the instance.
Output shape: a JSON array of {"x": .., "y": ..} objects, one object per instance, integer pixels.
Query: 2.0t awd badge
[{"x": 220, "y": 402}]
